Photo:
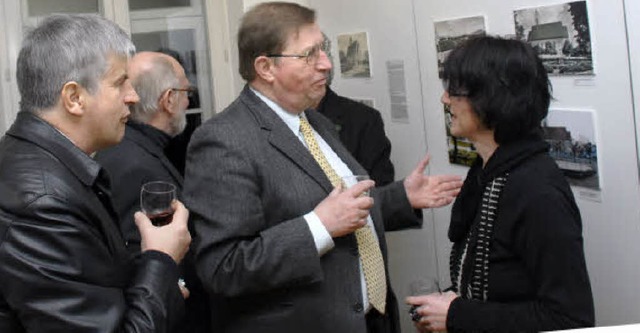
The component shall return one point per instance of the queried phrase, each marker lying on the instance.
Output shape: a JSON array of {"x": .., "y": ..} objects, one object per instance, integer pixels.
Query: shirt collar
[{"x": 291, "y": 120}]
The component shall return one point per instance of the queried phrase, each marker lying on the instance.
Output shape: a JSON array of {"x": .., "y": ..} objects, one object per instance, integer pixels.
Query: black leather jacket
[{"x": 64, "y": 266}]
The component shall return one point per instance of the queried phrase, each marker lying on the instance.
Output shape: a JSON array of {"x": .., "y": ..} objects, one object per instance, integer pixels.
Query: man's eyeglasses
[
  {"x": 189, "y": 90},
  {"x": 311, "y": 55}
]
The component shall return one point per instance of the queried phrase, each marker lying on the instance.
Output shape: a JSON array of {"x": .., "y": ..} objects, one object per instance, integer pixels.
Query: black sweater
[{"x": 538, "y": 279}]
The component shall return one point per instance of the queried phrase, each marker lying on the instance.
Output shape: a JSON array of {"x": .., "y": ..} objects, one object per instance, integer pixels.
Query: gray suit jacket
[{"x": 249, "y": 181}]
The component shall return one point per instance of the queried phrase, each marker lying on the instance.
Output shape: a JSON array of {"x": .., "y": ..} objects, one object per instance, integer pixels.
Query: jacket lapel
[{"x": 283, "y": 139}]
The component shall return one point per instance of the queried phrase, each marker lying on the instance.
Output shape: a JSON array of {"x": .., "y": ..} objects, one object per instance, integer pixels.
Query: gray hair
[
  {"x": 150, "y": 84},
  {"x": 66, "y": 48}
]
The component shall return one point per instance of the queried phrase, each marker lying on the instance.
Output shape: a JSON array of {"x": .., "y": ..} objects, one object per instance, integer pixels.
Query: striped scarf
[{"x": 469, "y": 261}]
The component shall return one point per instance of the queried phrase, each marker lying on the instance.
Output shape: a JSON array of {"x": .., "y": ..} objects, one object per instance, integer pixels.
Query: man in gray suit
[{"x": 277, "y": 245}]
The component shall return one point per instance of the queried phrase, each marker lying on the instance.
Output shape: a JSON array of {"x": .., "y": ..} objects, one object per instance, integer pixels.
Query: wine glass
[{"x": 155, "y": 202}]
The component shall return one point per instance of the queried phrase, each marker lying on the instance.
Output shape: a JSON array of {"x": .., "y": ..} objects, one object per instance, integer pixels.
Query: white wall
[
  {"x": 10, "y": 39},
  {"x": 3, "y": 74},
  {"x": 611, "y": 226}
]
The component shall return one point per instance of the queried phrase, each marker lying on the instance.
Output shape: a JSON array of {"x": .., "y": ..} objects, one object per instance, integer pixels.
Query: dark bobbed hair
[
  {"x": 505, "y": 81},
  {"x": 265, "y": 29}
]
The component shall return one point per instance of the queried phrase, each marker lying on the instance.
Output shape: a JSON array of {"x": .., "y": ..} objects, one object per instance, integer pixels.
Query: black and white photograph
[
  {"x": 560, "y": 34},
  {"x": 461, "y": 151},
  {"x": 450, "y": 33},
  {"x": 354, "y": 55},
  {"x": 572, "y": 138}
]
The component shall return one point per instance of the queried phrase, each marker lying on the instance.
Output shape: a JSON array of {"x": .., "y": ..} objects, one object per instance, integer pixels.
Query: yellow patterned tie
[{"x": 368, "y": 246}]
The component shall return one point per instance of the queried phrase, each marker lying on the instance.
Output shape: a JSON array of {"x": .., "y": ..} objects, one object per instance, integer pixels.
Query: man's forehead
[
  {"x": 307, "y": 34},
  {"x": 116, "y": 65}
]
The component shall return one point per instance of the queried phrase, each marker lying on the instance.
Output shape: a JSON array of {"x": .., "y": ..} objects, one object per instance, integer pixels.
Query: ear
[
  {"x": 73, "y": 98},
  {"x": 264, "y": 67},
  {"x": 168, "y": 100}
]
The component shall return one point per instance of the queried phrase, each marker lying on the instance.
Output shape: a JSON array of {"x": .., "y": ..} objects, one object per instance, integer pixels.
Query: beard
[{"x": 178, "y": 124}]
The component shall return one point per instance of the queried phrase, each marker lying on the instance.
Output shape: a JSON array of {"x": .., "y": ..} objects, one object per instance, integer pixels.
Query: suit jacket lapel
[{"x": 283, "y": 139}]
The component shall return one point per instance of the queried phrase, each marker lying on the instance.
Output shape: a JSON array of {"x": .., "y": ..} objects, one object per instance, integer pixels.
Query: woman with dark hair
[{"x": 517, "y": 262}]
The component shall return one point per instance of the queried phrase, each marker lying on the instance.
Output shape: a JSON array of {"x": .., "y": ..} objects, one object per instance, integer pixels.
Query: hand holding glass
[
  {"x": 422, "y": 286},
  {"x": 155, "y": 202},
  {"x": 349, "y": 181}
]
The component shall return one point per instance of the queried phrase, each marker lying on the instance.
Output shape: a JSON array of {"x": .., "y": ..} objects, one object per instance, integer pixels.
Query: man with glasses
[
  {"x": 280, "y": 241},
  {"x": 163, "y": 87}
]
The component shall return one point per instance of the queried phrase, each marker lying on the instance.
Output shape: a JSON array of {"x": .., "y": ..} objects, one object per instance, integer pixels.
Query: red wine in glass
[
  {"x": 155, "y": 201},
  {"x": 161, "y": 219}
]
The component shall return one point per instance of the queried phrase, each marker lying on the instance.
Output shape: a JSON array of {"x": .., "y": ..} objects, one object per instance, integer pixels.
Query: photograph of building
[{"x": 561, "y": 36}]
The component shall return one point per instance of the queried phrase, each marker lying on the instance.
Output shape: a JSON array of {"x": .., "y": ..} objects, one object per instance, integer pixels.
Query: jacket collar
[
  {"x": 159, "y": 138},
  {"x": 284, "y": 140},
  {"x": 506, "y": 158},
  {"x": 153, "y": 141},
  {"x": 34, "y": 129}
]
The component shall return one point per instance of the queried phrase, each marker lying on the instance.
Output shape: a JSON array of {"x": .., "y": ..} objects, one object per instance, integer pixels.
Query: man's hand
[
  {"x": 345, "y": 211},
  {"x": 172, "y": 239},
  {"x": 430, "y": 191}
]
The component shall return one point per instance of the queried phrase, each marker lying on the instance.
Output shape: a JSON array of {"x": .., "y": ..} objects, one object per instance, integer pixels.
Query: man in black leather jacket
[{"x": 64, "y": 265}]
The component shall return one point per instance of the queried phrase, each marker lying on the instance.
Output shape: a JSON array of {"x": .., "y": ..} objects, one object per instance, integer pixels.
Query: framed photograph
[
  {"x": 354, "y": 55},
  {"x": 571, "y": 135},
  {"x": 560, "y": 34},
  {"x": 450, "y": 33}
]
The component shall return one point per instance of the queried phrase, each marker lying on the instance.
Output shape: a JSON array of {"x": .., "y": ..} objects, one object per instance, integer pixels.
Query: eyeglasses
[
  {"x": 189, "y": 90},
  {"x": 311, "y": 55}
]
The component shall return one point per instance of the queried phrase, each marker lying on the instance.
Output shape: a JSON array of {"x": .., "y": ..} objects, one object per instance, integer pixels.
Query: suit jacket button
[{"x": 358, "y": 307}]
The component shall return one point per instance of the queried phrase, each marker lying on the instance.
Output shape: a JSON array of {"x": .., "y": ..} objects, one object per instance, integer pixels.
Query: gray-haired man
[{"x": 65, "y": 266}]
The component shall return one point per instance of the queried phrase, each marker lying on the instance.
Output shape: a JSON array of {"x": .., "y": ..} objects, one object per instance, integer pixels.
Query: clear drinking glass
[
  {"x": 349, "y": 181},
  {"x": 155, "y": 202},
  {"x": 422, "y": 286}
]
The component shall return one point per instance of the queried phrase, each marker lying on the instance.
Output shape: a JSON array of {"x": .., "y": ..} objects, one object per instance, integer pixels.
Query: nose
[
  {"x": 131, "y": 96},
  {"x": 324, "y": 62},
  {"x": 444, "y": 99}
]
